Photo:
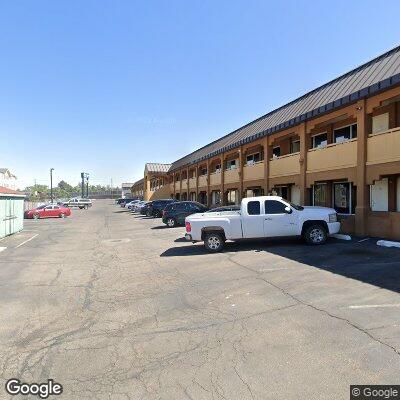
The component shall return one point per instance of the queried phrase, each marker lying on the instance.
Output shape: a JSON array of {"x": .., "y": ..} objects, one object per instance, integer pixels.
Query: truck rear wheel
[
  {"x": 315, "y": 234},
  {"x": 214, "y": 241}
]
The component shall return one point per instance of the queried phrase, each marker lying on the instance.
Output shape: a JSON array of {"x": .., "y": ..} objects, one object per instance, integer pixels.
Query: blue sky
[{"x": 105, "y": 86}]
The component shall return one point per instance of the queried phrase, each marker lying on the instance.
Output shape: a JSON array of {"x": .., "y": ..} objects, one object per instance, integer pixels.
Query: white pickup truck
[{"x": 262, "y": 217}]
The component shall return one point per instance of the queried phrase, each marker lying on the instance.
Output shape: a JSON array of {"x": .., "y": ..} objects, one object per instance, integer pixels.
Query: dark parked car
[
  {"x": 157, "y": 207},
  {"x": 144, "y": 209},
  {"x": 225, "y": 208},
  {"x": 174, "y": 214}
]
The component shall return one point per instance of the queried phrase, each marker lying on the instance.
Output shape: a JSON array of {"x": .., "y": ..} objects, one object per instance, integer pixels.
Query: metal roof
[
  {"x": 157, "y": 167},
  {"x": 139, "y": 182},
  {"x": 376, "y": 75}
]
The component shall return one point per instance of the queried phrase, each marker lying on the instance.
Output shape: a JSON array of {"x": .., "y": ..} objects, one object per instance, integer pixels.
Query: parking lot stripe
[
  {"x": 375, "y": 306},
  {"x": 26, "y": 241},
  {"x": 2, "y": 249}
]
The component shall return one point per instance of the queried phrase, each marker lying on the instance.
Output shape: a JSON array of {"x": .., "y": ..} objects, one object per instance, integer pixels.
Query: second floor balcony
[
  {"x": 284, "y": 165},
  {"x": 231, "y": 175},
  {"x": 253, "y": 171},
  {"x": 192, "y": 183},
  {"x": 384, "y": 147},
  {"x": 333, "y": 156},
  {"x": 215, "y": 178},
  {"x": 202, "y": 180}
]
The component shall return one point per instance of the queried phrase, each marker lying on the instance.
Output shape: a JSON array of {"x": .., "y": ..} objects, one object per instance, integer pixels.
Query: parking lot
[{"x": 114, "y": 305}]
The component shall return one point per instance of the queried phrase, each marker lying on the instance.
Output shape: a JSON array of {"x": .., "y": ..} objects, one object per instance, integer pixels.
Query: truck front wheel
[
  {"x": 315, "y": 234},
  {"x": 214, "y": 241}
]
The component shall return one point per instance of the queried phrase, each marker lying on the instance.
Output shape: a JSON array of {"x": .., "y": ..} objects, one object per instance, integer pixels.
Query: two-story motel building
[{"x": 336, "y": 146}]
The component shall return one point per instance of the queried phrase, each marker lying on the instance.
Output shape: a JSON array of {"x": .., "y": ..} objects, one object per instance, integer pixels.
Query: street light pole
[
  {"x": 51, "y": 184},
  {"x": 87, "y": 185},
  {"x": 83, "y": 184}
]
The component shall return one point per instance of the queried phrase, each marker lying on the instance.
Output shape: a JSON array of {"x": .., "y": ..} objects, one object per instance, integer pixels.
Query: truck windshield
[{"x": 296, "y": 206}]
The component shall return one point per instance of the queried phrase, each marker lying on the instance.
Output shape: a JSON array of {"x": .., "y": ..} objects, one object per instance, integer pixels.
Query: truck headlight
[{"x": 333, "y": 217}]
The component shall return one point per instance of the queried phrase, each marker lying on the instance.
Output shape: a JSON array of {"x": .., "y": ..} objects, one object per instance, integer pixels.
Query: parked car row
[
  {"x": 172, "y": 212},
  {"x": 60, "y": 209}
]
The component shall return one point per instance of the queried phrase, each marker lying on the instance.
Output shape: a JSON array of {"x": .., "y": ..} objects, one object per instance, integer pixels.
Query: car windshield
[
  {"x": 41, "y": 207},
  {"x": 296, "y": 206}
]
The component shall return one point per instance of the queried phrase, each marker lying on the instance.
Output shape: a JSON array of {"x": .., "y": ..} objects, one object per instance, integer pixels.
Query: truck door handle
[{"x": 268, "y": 219}]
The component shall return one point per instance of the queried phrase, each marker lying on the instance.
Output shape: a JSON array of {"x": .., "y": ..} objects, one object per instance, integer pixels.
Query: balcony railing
[
  {"x": 285, "y": 165},
  {"x": 192, "y": 183},
  {"x": 383, "y": 147},
  {"x": 253, "y": 171},
  {"x": 215, "y": 178},
  {"x": 231, "y": 175},
  {"x": 333, "y": 156},
  {"x": 203, "y": 181}
]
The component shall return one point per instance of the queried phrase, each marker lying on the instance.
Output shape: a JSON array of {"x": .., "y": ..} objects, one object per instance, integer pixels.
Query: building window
[
  {"x": 319, "y": 194},
  {"x": 203, "y": 171},
  {"x": 319, "y": 141},
  {"x": 255, "y": 192},
  {"x": 295, "y": 146},
  {"x": 193, "y": 196},
  {"x": 218, "y": 168},
  {"x": 216, "y": 197},
  {"x": 203, "y": 198},
  {"x": 343, "y": 201},
  {"x": 253, "y": 158},
  {"x": 231, "y": 164},
  {"x": 380, "y": 123},
  {"x": 344, "y": 134},
  {"x": 232, "y": 197},
  {"x": 276, "y": 152},
  {"x": 281, "y": 191}
]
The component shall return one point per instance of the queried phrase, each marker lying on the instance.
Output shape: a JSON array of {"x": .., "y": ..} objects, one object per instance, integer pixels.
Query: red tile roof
[{"x": 4, "y": 190}]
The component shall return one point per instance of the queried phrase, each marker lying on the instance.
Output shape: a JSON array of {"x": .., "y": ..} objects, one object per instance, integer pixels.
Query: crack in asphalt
[{"x": 300, "y": 301}]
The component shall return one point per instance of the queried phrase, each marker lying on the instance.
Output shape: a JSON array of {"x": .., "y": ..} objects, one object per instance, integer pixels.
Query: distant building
[
  {"x": 7, "y": 179},
  {"x": 126, "y": 189}
]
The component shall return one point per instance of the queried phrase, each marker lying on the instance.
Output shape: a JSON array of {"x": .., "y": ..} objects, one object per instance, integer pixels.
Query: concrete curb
[
  {"x": 388, "y": 243},
  {"x": 341, "y": 236}
]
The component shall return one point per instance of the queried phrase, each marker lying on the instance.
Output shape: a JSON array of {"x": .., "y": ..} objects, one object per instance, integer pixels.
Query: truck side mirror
[{"x": 288, "y": 210}]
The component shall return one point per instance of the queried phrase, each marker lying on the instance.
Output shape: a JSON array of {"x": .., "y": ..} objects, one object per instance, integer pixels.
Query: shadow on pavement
[
  {"x": 180, "y": 240},
  {"x": 365, "y": 261}
]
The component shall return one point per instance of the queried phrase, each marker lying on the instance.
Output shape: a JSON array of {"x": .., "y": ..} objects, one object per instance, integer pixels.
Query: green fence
[{"x": 11, "y": 214}]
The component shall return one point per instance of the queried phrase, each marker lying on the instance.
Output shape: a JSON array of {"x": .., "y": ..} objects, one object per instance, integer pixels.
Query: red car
[{"x": 48, "y": 211}]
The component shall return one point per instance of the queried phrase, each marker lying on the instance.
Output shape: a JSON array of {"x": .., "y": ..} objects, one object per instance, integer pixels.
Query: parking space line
[
  {"x": 26, "y": 241},
  {"x": 2, "y": 249},
  {"x": 375, "y": 306}
]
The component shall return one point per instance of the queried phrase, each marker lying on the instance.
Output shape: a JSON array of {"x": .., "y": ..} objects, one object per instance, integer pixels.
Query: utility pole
[
  {"x": 51, "y": 184},
  {"x": 87, "y": 185},
  {"x": 83, "y": 184}
]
